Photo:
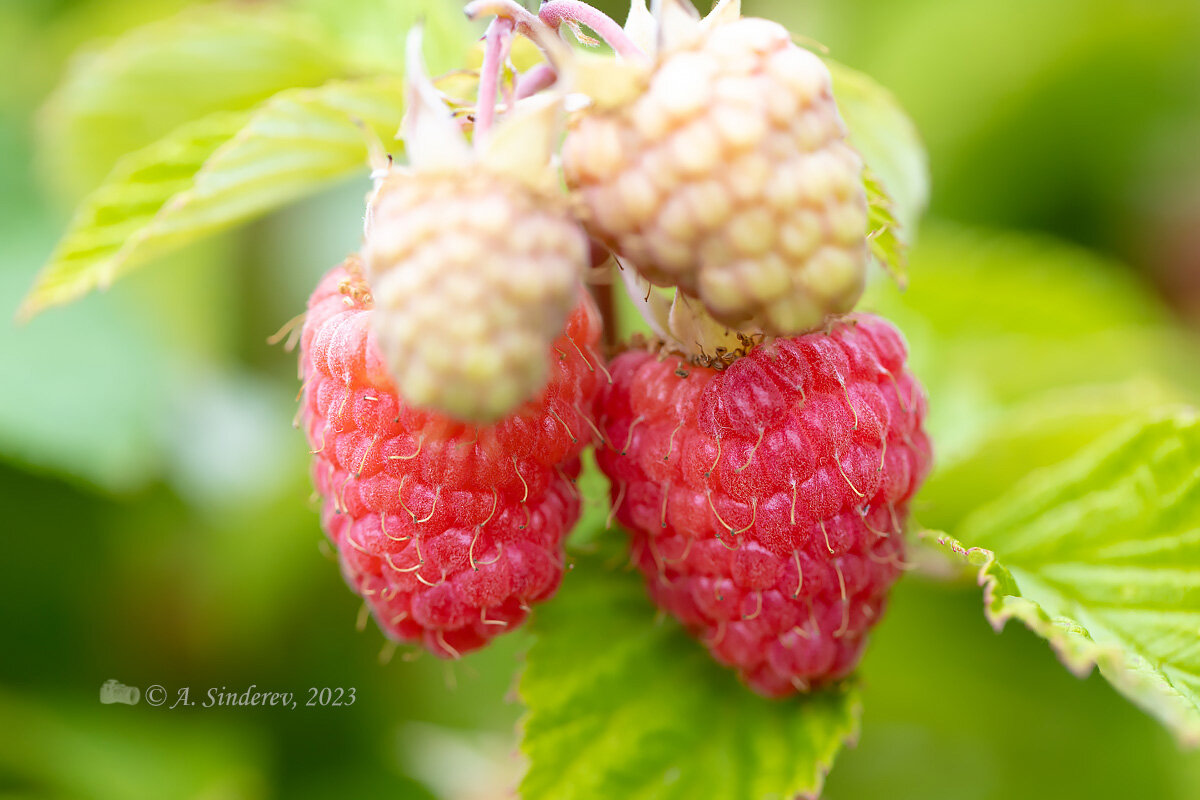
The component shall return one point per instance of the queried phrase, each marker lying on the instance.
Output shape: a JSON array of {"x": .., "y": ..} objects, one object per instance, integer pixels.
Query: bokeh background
[{"x": 157, "y": 526}]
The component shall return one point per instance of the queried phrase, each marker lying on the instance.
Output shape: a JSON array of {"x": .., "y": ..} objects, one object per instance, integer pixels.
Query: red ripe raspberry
[
  {"x": 449, "y": 531},
  {"x": 766, "y": 502}
]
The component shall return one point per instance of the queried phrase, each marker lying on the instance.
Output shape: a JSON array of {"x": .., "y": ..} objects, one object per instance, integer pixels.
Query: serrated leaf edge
[
  {"x": 129, "y": 251},
  {"x": 883, "y": 224},
  {"x": 1071, "y": 642},
  {"x": 826, "y": 760}
]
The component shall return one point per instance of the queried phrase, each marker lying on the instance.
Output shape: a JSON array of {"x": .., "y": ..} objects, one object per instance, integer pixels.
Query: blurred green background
[{"x": 159, "y": 529}]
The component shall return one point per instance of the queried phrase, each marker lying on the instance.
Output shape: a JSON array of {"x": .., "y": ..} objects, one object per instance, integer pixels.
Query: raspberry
[
  {"x": 473, "y": 275},
  {"x": 448, "y": 531},
  {"x": 729, "y": 176},
  {"x": 765, "y": 502}
]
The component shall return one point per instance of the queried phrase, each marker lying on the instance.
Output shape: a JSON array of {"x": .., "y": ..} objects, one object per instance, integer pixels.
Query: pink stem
[
  {"x": 556, "y": 12},
  {"x": 535, "y": 80},
  {"x": 506, "y": 87},
  {"x": 507, "y": 9},
  {"x": 498, "y": 33},
  {"x": 525, "y": 23}
]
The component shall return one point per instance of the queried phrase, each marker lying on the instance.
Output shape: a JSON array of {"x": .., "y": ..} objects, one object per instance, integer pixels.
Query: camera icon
[{"x": 113, "y": 691}]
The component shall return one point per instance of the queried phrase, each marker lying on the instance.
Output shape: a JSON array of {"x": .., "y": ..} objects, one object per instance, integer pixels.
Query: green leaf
[
  {"x": 623, "y": 706},
  {"x": 373, "y": 31},
  {"x": 883, "y": 234},
  {"x": 1018, "y": 285},
  {"x": 888, "y": 141},
  {"x": 1101, "y": 556},
  {"x": 1028, "y": 348},
  {"x": 1038, "y": 432},
  {"x": 157, "y": 77},
  {"x": 213, "y": 173}
]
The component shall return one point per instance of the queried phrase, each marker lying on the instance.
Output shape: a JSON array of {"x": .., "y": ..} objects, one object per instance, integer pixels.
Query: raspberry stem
[
  {"x": 498, "y": 40},
  {"x": 526, "y": 24},
  {"x": 539, "y": 77},
  {"x": 508, "y": 9},
  {"x": 603, "y": 295},
  {"x": 556, "y": 12}
]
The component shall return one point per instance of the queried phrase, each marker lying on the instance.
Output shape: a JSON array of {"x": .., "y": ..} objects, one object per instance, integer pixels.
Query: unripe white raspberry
[
  {"x": 729, "y": 176},
  {"x": 473, "y": 274},
  {"x": 472, "y": 254}
]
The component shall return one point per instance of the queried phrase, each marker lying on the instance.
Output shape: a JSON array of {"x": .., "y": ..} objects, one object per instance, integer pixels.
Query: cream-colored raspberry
[
  {"x": 473, "y": 275},
  {"x": 472, "y": 255},
  {"x": 729, "y": 176}
]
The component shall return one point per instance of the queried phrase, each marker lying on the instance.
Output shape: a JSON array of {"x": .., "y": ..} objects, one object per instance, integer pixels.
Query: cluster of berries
[{"x": 762, "y": 452}]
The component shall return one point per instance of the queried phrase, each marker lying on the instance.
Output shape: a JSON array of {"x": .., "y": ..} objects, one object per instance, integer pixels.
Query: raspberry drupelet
[
  {"x": 449, "y": 531},
  {"x": 766, "y": 502}
]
